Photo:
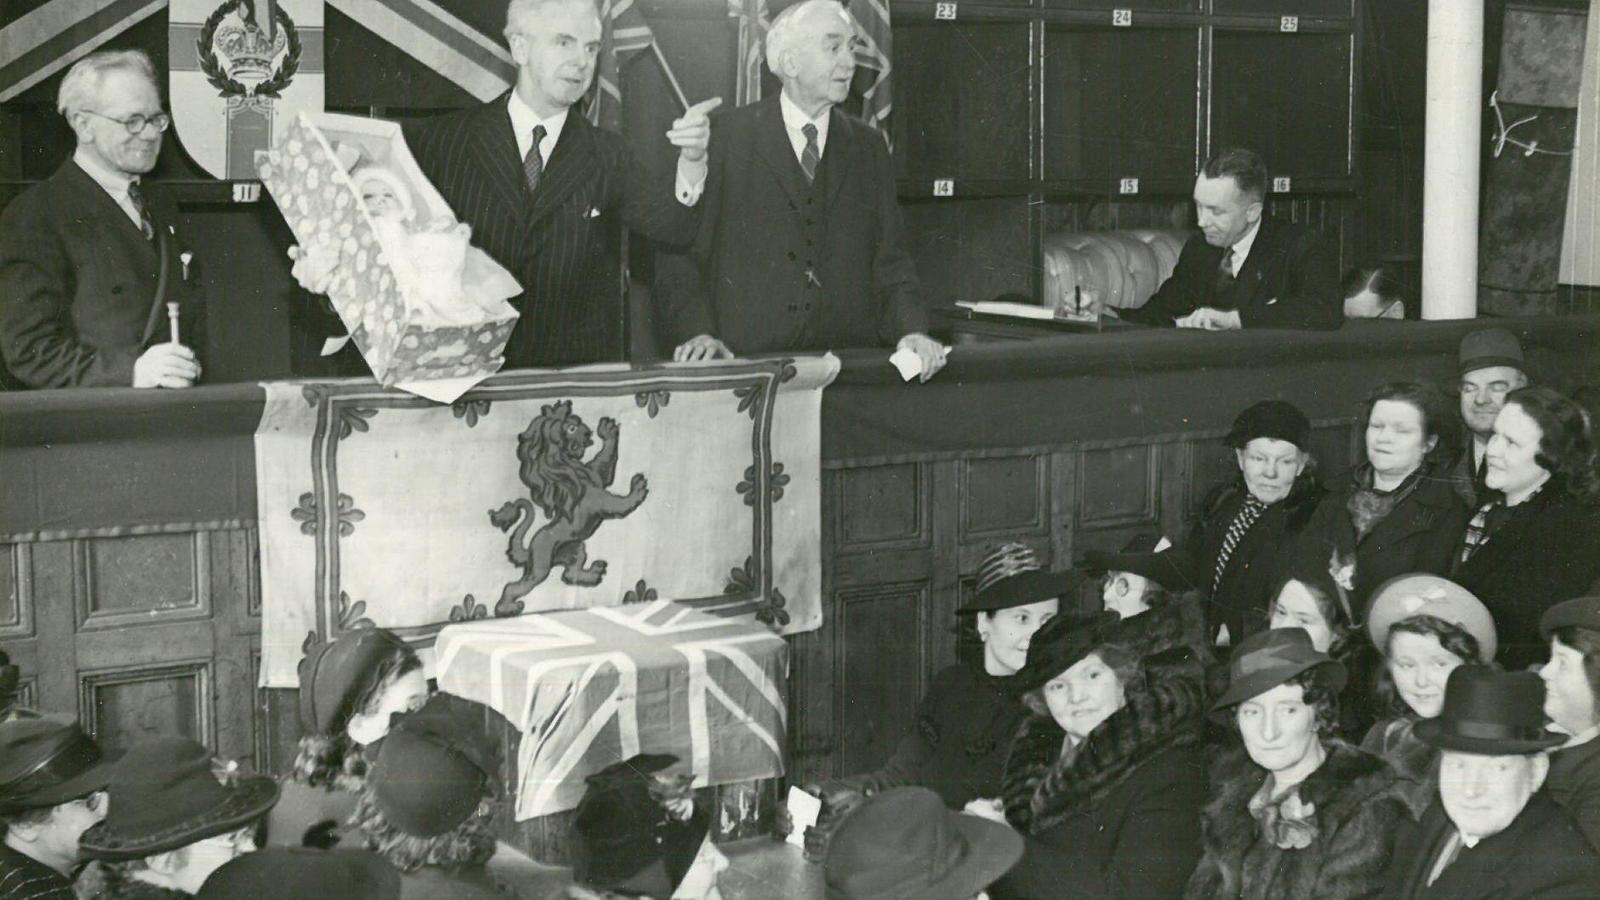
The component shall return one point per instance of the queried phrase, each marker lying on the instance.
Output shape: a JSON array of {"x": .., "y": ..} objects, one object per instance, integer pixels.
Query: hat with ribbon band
[
  {"x": 46, "y": 761},
  {"x": 1269, "y": 658},
  {"x": 1011, "y": 575},
  {"x": 1490, "y": 713},
  {"x": 903, "y": 844}
]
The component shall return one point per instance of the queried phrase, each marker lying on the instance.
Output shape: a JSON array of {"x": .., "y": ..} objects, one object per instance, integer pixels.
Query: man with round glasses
[{"x": 90, "y": 261}]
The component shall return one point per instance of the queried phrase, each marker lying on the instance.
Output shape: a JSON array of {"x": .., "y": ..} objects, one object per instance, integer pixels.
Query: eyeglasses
[
  {"x": 136, "y": 122},
  {"x": 94, "y": 802}
]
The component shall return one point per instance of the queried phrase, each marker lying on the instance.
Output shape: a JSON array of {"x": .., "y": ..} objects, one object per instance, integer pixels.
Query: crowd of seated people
[{"x": 1386, "y": 689}]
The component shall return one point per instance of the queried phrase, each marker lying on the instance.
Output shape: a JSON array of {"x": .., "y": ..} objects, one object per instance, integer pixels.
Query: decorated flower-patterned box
[{"x": 420, "y": 302}]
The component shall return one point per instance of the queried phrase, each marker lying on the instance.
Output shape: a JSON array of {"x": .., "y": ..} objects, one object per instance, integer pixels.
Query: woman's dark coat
[
  {"x": 1241, "y": 598},
  {"x": 1421, "y": 534},
  {"x": 1546, "y": 551},
  {"x": 957, "y": 748},
  {"x": 1360, "y": 813},
  {"x": 1574, "y": 782},
  {"x": 1116, "y": 819}
]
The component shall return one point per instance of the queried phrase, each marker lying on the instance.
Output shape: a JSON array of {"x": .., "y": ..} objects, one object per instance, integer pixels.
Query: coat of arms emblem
[{"x": 240, "y": 70}]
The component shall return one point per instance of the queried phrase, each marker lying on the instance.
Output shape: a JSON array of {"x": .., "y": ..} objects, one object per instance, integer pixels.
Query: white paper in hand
[
  {"x": 803, "y": 812},
  {"x": 908, "y": 363}
]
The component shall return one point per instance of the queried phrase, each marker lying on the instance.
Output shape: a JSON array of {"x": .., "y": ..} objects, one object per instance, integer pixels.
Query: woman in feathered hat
[
  {"x": 966, "y": 720},
  {"x": 1315, "y": 593}
]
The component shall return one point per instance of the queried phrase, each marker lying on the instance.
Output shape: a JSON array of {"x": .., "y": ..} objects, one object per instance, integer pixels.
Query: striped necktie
[
  {"x": 533, "y": 163},
  {"x": 810, "y": 157},
  {"x": 136, "y": 197},
  {"x": 1246, "y": 517}
]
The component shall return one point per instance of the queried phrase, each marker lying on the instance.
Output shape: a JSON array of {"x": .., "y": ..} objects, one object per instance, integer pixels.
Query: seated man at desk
[{"x": 1251, "y": 270}]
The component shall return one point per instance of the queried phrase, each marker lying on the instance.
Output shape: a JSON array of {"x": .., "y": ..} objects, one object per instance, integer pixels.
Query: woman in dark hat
[
  {"x": 1106, "y": 775},
  {"x": 176, "y": 816},
  {"x": 638, "y": 833},
  {"x": 350, "y": 688},
  {"x": 428, "y": 805},
  {"x": 958, "y": 745},
  {"x": 1536, "y": 540},
  {"x": 903, "y": 844},
  {"x": 1230, "y": 554},
  {"x": 1424, "y": 627},
  {"x": 52, "y": 789},
  {"x": 1314, "y": 594},
  {"x": 1295, "y": 812},
  {"x": 1398, "y": 512},
  {"x": 1572, "y": 703}
]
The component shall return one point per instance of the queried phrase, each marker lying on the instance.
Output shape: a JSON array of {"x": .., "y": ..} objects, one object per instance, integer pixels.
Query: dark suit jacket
[
  {"x": 561, "y": 243},
  {"x": 1421, "y": 534},
  {"x": 78, "y": 285},
  {"x": 1547, "y": 550},
  {"x": 1541, "y": 856},
  {"x": 1289, "y": 280},
  {"x": 765, "y": 229}
]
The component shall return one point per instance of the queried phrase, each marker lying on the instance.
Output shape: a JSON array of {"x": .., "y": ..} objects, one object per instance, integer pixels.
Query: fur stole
[
  {"x": 1043, "y": 786},
  {"x": 1359, "y": 802}
]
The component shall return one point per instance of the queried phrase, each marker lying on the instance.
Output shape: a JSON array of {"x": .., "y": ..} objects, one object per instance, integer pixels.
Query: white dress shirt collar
[
  {"x": 110, "y": 180},
  {"x": 1241, "y": 249},
  {"x": 794, "y": 119},
  {"x": 523, "y": 120}
]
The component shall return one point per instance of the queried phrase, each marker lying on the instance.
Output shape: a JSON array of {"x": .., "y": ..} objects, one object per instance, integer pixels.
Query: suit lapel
[
  {"x": 836, "y": 158},
  {"x": 495, "y": 146},
  {"x": 573, "y": 163},
  {"x": 777, "y": 152},
  {"x": 1253, "y": 274},
  {"x": 107, "y": 209}
]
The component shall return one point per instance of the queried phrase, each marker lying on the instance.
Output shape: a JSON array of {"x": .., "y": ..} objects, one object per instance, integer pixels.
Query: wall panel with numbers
[{"x": 1065, "y": 106}]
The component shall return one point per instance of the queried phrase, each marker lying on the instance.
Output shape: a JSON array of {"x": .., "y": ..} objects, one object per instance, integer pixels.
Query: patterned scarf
[
  {"x": 1288, "y": 823},
  {"x": 1242, "y": 521},
  {"x": 1478, "y": 529},
  {"x": 1368, "y": 505}
]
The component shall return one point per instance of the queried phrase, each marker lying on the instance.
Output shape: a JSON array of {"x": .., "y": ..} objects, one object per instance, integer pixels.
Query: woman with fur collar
[
  {"x": 1106, "y": 776},
  {"x": 1297, "y": 813}
]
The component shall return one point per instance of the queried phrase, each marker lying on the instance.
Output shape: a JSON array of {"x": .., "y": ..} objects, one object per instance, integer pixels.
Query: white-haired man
[
  {"x": 541, "y": 187},
  {"x": 800, "y": 248},
  {"x": 90, "y": 257}
]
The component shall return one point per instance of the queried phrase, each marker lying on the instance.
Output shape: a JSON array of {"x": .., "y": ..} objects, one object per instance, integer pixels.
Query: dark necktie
[
  {"x": 1225, "y": 279},
  {"x": 1246, "y": 517},
  {"x": 136, "y": 197},
  {"x": 533, "y": 163},
  {"x": 810, "y": 157}
]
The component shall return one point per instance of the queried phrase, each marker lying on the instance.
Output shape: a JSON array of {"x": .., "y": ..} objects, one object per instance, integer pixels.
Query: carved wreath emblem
[{"x": 230, "y": 49}]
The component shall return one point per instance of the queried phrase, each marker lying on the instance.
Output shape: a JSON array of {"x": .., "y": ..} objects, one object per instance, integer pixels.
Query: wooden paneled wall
[{"x": 903, "y": 543}]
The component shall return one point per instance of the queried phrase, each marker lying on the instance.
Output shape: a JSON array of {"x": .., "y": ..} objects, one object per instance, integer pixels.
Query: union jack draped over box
[{"x": 588, "y": 688}]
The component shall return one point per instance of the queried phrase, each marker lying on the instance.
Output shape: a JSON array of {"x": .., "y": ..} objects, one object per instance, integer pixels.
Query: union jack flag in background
[
  {"x": 874, "y": 51},
  {"x": 587, "y": 688},
  {"x": 624, "y": 32},
  {"x": 753, "y": 24}
]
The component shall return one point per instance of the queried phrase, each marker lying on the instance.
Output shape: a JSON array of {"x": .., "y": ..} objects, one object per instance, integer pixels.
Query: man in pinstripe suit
[{"x": 541, "y": 187}]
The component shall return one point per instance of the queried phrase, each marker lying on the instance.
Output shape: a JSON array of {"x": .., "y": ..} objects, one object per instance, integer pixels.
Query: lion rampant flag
[{"x": 537, "y": 491}]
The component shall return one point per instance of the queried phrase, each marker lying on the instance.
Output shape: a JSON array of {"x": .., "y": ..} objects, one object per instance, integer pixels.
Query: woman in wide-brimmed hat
[
  {"x": 1295, "y": 812},
  {"x": 957, "y": 747},
  {"x": 175, "y": 817},
  {"x": 903, "y": 844},
  {"x": 1424, "y": 626},
  {"x": 1106, "y": 776},
  {"x": 350, "y": 689},
  {"x": 52, "y": 788}
]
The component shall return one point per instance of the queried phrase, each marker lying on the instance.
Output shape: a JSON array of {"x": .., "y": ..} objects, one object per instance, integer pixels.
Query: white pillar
[{"x": 1450, "y": 164}]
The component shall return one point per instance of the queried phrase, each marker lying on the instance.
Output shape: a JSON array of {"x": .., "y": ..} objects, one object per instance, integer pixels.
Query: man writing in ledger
[
  {"x": 1250, "y": 271},
  {"x": 88, "y": 262},
  {"x": 540, "y": 185},
  {"x": 800, "y": 248}
]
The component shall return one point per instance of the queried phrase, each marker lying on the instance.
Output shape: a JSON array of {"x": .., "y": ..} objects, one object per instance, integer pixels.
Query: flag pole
[{"x": 677, "y": 89}]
